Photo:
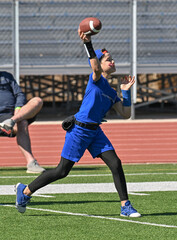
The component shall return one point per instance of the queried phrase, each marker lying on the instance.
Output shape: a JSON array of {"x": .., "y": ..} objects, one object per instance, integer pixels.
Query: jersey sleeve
[{"x": 91, "y": 79}]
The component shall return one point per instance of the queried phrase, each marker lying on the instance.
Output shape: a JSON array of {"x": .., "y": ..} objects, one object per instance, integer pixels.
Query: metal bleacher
[
  {"x": 49, "y": 43},
  {"x": 157, "y": 42},
  {"x": 49, "y": 33},
  {"x": 5, "y": 33}
]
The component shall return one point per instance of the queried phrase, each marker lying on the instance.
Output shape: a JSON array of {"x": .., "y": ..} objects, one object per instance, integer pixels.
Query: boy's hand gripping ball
[{"x": 90, "y": 26}]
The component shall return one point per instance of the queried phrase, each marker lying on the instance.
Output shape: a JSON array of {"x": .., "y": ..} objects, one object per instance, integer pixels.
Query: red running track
[{"x": 134, "y": 142}]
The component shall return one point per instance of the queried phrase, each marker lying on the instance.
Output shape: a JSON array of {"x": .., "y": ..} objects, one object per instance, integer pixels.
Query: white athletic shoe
[{"x": 33, "y": 167}]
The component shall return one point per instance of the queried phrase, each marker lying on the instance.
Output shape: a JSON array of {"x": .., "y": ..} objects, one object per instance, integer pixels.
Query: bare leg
[
  {"x": 29, "y": 110},
  {"x": 23, "y": 141}
]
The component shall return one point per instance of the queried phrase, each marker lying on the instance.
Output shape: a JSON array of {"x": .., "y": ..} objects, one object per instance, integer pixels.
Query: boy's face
[{"x": 107, "y": 63}]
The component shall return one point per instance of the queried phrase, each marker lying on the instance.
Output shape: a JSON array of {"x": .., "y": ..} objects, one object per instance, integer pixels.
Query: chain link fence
[
  {"x": 48, "y": 32},
  {"x": 157, "y": 32},
  {"x": 6, "y": 40},
  {"x": 49, "y": 45}
]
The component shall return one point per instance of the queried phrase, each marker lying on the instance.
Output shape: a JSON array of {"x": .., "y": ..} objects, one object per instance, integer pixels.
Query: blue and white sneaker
[
  {"x": 129, "y": 211},
  {"x": 21, "y": 198}
]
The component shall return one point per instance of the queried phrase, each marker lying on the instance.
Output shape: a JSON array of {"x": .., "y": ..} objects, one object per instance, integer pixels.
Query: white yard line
[
  {"x": 133, "y": 188},
  {"x": 92, "y": 175},
  {"x": 96, "y": 188},
  {"x": 99, "y": 217},
  {"x": 44, "y": 196}
]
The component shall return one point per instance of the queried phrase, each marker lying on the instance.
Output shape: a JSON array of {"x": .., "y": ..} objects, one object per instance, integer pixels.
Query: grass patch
[{"x": 158, "y": 208}]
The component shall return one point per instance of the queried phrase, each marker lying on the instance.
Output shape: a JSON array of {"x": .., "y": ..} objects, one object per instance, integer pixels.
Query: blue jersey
[
  {"x": 98, "y": 100},
  {"x": 11, "y": 95}
]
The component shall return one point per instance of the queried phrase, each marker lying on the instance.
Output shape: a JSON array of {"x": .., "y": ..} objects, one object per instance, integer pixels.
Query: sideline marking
[
  {"x": 93, "y": 175},
  {"x": 97, "y": 188},
  {"x": 93, "y": 216},
  {"x": 44, "y": 196}
]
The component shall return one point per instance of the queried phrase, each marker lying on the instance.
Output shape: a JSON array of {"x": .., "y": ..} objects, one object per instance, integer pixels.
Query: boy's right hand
[{"x": 83, "y": 37}]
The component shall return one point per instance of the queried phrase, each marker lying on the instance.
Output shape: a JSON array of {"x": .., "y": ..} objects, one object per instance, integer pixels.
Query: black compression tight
[
  {"x": 64, "y": 167},
  {"x": 113, "y": 162},
  {"x": 52, "y": 175}
]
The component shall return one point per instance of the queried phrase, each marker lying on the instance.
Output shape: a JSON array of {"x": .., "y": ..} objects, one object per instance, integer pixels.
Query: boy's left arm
[{"x": 124, "y": 107}]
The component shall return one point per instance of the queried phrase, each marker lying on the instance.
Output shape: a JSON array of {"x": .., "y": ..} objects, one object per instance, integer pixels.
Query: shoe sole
[
  {"x": 4, "y": 133},
  {"x": 8, "y": 132},
  {"x": 30, "y": 171},
  {"x": 18, "y": 207},
  {"x": 131, "y": 216}
]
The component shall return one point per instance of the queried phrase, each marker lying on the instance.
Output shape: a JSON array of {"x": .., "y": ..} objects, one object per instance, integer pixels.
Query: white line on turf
[
  {"x": 97, "y": 187},
  {"x": 92, "y": 175},
  {"x": 138, "y": 194},
  {"x": 93, "y": 216},
  {"x": 44, "y": 196}
]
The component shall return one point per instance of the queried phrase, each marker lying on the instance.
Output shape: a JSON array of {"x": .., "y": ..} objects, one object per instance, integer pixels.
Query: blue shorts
[{"x": 78, "y": 139}]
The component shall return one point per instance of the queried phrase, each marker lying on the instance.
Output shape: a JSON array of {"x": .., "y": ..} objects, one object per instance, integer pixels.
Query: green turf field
[{"x": 93, "y": 215}]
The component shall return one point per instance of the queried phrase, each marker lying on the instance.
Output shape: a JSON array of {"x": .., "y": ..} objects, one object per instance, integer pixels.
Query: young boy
[{"x": 86, "y": 132}]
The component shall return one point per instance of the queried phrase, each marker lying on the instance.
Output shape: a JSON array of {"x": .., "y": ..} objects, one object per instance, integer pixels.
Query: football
[{"x": 90, "y": 26}]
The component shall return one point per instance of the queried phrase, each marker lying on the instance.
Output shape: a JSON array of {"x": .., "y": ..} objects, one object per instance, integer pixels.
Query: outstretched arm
[
  {"x": 124, "y": 107},
  {"x": 95, "y": 64}
]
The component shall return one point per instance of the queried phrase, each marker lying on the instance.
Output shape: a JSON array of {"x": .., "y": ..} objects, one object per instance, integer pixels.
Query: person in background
[{"x": 15, "y": 116}]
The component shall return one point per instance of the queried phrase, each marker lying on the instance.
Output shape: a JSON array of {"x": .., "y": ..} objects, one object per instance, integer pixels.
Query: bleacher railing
[
  {"x": 48, "y": 36},
  {"x": 40, "y": 37}
]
